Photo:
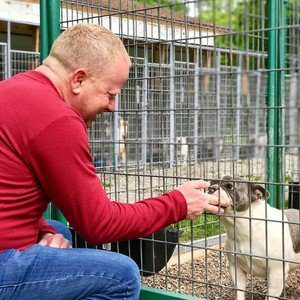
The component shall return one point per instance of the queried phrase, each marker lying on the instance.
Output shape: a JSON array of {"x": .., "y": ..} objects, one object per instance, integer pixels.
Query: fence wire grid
[
  {"x": 13, "y": 62},
  {"x": 196, "y": 107}
]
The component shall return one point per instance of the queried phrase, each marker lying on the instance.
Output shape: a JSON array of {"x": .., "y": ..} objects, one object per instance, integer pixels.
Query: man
[{"x": 44, "y": 157}]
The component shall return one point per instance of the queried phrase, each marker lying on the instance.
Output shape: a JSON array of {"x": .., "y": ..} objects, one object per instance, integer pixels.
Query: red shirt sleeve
[
  {"x": 60, "y": 159},
  {"x": 44, "y": 228}
]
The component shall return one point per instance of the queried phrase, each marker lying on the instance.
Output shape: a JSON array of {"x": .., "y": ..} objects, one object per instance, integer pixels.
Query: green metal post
[
  {"x": 275, "y": 100},
  {"x": 50, "y": 24},
  {"x": 43, "y": 30},
  {"x": 271, "y": 96},
  {"x": 53, "y": 20},
  {"x": 281, "y": 100},
  {"x": 50, "y": 30}
]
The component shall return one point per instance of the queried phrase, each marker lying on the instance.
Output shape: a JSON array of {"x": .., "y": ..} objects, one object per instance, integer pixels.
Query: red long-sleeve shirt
[{"x": 44, "y": 156}]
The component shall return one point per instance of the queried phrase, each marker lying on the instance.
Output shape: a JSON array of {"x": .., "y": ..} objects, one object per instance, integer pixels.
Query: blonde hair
[{"x": 86, "y": 46}]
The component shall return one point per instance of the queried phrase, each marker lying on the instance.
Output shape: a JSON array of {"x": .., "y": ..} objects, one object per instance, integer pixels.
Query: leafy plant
[{"x": 205, "y": 226}]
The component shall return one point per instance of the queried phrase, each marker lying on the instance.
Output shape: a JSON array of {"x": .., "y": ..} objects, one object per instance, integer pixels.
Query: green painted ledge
[{"x": 149, "y": 293}]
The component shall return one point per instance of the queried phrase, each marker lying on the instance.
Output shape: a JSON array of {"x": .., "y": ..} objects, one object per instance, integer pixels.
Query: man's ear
[
  {"x": 259, "y": 192},
  {"x": 78, "y": 78}
]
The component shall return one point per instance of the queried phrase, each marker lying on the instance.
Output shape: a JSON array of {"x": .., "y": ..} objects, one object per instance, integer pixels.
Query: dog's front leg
[
  {"x": 239, "y": 278},
  {"x": 275, "y": 282}
]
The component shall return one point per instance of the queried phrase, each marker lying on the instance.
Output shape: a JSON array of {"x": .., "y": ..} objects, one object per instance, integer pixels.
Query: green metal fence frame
[
  {"x": 275, "y": 100},
  {"x": 50, "y": 29}
]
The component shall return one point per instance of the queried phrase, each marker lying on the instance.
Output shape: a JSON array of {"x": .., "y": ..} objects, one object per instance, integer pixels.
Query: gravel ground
[
  {"x": 208, "y": 277},
  {"x": 209, "y": 274}
]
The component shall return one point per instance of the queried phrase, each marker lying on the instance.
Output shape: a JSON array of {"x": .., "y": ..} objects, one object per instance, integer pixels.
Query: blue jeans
[{"x": 41, "y": 272}]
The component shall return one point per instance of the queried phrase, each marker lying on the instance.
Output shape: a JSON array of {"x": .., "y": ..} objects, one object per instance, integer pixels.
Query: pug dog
[{"x": 261, "y": 240}]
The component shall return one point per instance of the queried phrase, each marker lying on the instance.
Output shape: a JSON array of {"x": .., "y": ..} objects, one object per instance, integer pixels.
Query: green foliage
[
  {"x": 235, "y": 17},
  {"x": 205, "y": 226},
  {"x": 106, "y": 185},
  {"x": 287, "y": 177},
  {"x": 256, "y": 178},
  {"x": 243, "y": 20}
]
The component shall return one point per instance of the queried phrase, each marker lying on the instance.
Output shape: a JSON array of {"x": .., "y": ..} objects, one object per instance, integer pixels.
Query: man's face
[{"x": 98, "y": 95}]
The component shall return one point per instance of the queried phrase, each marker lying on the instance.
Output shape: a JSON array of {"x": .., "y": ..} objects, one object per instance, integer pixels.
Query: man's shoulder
[
  {"x": 30, "y": 103},
  {"x": 32, "y": 95}
]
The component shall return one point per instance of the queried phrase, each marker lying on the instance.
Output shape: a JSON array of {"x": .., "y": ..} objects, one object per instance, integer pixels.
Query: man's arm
[{"x": 59, "y": 157}]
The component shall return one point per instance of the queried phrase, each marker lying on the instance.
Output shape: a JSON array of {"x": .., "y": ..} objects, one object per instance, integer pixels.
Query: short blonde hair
[{"x": 86, "y": 46}]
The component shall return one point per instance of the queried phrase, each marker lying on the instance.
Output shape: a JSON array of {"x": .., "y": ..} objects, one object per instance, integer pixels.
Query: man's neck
[{"x": 58, "y": 78}]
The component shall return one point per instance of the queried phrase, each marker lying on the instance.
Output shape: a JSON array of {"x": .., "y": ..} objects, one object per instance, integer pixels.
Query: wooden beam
[{"x": 36, "y": 40}]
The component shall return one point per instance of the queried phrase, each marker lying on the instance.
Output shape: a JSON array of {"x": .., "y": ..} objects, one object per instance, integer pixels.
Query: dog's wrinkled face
[{"x": 241, "y": 192}]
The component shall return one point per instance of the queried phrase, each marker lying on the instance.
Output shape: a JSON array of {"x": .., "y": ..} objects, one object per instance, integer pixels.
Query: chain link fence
[
  {"x": 204, "y": 84},
  {"x": 13, "y": 62}
]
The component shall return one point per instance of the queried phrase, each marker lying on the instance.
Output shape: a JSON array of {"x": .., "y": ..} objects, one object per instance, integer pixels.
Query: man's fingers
[
  {"x": 213, "y": 200},
  {"x": 213, "y": 209},
  {"x": 200, "y": 184},
  {"x": 57, "y": 241},
  {"x": 223, "y": 198},
  {"x": 43, "y": 242}
]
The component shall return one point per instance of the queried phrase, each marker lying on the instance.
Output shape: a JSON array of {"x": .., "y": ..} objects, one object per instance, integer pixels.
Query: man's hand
[
  {"x": 54, "y": 240},
  {"x": 198, "y": 201}
]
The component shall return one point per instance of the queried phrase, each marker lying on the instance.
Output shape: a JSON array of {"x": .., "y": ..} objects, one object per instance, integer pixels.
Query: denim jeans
[{"x": 43, "y": 273}]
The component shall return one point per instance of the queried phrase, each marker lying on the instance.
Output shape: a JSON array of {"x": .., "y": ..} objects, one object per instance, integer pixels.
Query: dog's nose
[{"x": 212, "y": 189}]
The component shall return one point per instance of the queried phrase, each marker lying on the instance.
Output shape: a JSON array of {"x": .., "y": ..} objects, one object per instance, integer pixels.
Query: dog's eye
[{"x": 229, "y": 186}]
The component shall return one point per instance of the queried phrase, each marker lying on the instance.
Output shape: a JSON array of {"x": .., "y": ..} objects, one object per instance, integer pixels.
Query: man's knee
[
  {"x": 129, "y": 267},
  {"x": 132, "y": 275}
]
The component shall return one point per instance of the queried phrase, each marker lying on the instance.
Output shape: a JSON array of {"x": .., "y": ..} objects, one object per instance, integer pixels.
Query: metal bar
[
  {"x": 44, "y": 51},
  {"x": 271, "y": 101},
  {"x": 50, "y": 24},
  {"x": 148, "y": 293},
  {"x": 25, "y": 52},
  {"x": 281, "y": 102},
  {"x": 218, "y": 104},
  {"x": 172, "y": 104},
  {"x": 44, "y": 30},
  {"x": 196, "y": 103},
  {"x": 4, "y": 53},
  {"x": 276, "y": 94},
  {"x": 144, "y": 107},
  {"x": 238, "y": 105},
  {"x": 258, "y": 91},
  {"x": 293, "y": 114},
  {"x": 8, "y": 49},
  {"x": 50, "y": 29},
  {"x": 53, "y": 20},
  {"x": 116, "y": 141}
]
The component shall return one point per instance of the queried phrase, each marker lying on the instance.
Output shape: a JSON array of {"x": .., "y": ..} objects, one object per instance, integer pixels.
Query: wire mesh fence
[
  {"x": 197, "y": 105},
  {"x": 3, "y": 61},
  {"x": 22, "y": 61},
  {"x": 13, "y": 62}
]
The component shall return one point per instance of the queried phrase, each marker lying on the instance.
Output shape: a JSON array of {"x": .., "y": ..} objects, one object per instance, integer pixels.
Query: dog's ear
[{"x": 259, "y": 192}]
